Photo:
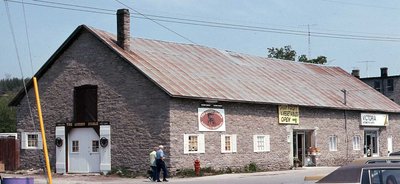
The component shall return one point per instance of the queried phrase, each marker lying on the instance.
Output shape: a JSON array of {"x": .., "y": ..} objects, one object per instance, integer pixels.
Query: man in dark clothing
[{"x": 161, "y": 164}]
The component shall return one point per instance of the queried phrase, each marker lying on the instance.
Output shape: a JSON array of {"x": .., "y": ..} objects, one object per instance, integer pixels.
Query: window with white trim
[
  {"x": 357, "y": 142},
  {"x": 333, "y": 143},
  {"x": 228, "y": 143},
  {"x": 193, "y": 143},
  {"x": 261, "y": 143},
  {"x": 31, "y": 140}
]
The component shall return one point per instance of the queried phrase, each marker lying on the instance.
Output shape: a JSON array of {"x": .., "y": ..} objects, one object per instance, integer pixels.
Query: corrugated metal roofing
[{"x": 193, "y": 71}]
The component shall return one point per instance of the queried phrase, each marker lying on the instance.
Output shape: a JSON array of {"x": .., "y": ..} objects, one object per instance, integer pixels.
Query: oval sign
[{"x": 211, "y": 119}]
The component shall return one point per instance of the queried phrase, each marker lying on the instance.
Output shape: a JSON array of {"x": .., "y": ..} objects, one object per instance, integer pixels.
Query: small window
[
  {"x": 261, "y": 143},
  {"x": 95, "y": 146},
  {"x": 75, "y": 146},
  {"x": 390, "y": 86},
  {"x": 193, "y": 143},
  {"x": 357, "y": 142},
  {"x": 377, "y": 85},
  {"x": 31, "y": 140},
  {"x": 333, "y": 143},
  {"x": 228, "y": 143}
]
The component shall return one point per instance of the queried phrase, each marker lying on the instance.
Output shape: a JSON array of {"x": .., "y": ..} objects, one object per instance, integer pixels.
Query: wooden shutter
[
  {"x": 223, "y": 144},
  {"x": 24, "y": 139},
  {"x": 267, "y": 143},
  {"x": 233, "y": 143},
  {"x": 201, "y": 143},
  {"x": 185, "y": 143},
  {"x": 255, "y": 143},
  {"x": 40, "y": 142}
]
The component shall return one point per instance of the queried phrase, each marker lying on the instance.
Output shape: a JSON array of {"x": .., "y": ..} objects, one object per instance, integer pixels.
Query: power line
[
  {"x": 165, "y": 27},
  {"x": 27, "y": 37},
  {"x": 360, "y": 4},
  {"x": 215, "y": 24}
]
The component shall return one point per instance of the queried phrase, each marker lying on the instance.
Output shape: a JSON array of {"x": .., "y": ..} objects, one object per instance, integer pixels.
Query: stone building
[
  {"x": 385, "y": 84},
  {"x": 107, "y": 100}
]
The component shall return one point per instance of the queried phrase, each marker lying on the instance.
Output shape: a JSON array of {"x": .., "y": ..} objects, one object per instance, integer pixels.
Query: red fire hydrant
[{"x": 197, "y": 167}]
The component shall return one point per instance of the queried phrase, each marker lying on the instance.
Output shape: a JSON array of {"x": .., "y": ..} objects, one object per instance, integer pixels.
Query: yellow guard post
[{"x": 46, "y": 154}]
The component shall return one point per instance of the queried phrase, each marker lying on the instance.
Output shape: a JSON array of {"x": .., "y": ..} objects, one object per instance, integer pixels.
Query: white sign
[
  {"x": 211, "y": 119},
  {"x": 368, "y": 119}
]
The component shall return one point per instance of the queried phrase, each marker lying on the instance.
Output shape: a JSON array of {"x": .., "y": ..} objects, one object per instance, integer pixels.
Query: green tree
[
  {"x": 319, "y": 60},
  {"x": 7, "y": 114},
  {"x": 285, "y": 53},
  {"x": 8, "y": 89}
]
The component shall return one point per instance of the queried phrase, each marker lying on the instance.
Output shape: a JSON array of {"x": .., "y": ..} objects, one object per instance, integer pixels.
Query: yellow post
[{"x": 46, "y": 154}]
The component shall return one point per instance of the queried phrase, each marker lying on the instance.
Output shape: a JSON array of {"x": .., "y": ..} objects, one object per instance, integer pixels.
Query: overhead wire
[
  {"x": 165, "y": 27},
  {"x": 157, "y": 18},
  {"x": 20, "y": 64},
  {"x": 27, "y": 37}
]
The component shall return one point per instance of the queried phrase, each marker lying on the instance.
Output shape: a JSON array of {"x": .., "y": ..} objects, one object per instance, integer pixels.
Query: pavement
[{"x": 306, "y": 175}]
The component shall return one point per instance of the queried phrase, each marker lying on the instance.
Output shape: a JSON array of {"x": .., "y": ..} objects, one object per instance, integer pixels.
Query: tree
[
  {"x": 285, "y": 53},
  {"x": 8, "y": 89},
  {"x": 319, "y": 60},
  {"x": 7, "y": 115}
]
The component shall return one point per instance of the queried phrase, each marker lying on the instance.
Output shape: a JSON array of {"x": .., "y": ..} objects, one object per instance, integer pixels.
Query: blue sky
[{"x": 49, "y": 27}]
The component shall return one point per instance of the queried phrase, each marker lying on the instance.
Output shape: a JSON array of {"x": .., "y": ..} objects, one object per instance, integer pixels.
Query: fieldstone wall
[
  {"x": 247, "y": 120},
  {"x": 135, "y": 107}
]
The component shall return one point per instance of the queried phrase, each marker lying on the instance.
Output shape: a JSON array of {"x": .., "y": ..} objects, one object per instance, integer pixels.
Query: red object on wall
[{"x": 197, "y": 167}]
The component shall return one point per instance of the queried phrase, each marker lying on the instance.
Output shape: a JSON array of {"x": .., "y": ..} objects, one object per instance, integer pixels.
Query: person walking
[
  {"x": 161, "y": 164},
  {"x": 153, "y": 165}
]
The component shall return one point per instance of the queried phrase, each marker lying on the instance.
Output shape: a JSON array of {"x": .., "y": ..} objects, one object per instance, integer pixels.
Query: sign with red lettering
[{"x": 211, "y": 119}]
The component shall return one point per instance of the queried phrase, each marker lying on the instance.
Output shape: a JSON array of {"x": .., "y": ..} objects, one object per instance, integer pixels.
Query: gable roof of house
[{"x": 198, "y": 72}]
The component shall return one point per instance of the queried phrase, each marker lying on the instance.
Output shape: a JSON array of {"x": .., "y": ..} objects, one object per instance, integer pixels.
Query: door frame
[{"x": 366, "y": 130}]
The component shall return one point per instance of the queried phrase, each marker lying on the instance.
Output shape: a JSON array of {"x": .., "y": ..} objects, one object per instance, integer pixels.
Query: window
[
  {"x": 228, "y": 143},
  {"x": 193, "y": 143},
  {"x": 357, "y": 142},
  {"x": 75, "y": 146},
  {"x": 377, "y": 85},
  {"x": 333, "y": 143},
  {"x": 31, "y": 140},
  {"x": 85, "y": 103},
  {"x": 95, "y": 146},
  {"x": 261, "y": 143},
  {"x": 390, "y": 84}
]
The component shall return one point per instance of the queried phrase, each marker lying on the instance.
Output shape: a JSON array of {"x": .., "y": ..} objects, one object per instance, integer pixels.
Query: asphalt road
[{"x": 274, "y": 177}]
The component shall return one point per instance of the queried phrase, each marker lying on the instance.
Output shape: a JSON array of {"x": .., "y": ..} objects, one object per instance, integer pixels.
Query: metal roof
[
  {"x": 194, "y": 71},
  {"x": 198, "y": 72}
]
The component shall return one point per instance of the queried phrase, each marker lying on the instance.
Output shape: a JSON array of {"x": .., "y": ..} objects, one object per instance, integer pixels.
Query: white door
[{"x": 83, "y": 151}]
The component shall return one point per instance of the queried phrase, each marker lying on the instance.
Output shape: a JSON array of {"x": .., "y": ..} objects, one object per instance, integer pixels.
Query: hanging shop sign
[
  {"x": 211, "y": 119},
  {"x": 288, "y": 114},
  {"x": 368, "y": 119}
]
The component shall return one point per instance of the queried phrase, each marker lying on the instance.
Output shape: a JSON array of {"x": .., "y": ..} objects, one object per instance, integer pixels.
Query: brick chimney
[
  {"x": 384, "y": 72},
  {"x": 355, "y": 73},
  {"x": 123, "y": 29}
]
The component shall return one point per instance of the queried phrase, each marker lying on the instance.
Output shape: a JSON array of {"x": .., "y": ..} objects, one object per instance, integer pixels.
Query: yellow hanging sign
[{"x": 288, "y": 114}]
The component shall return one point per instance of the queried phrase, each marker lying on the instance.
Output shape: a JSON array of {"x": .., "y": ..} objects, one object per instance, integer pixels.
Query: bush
[{"x": 252, "y": 167}]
